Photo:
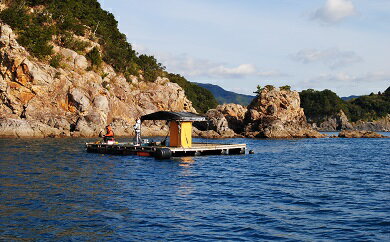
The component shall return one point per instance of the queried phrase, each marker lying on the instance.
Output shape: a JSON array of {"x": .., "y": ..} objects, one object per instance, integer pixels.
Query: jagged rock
[
  {"x": 277, "y": 113},
  {"x": 226, "y": 120},
  {"x": 337, "y": 122},
  {"x": 79, "y": 99},
  {"x": 235, "y": 115},
  {"x": 343, "y": 122},
  {"x": 8, "y": 38},
  {"x": 359, "y": 134},
  {"x": 218, "y": 123}
]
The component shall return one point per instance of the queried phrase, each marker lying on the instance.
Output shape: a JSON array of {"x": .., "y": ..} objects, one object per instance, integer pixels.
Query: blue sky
[{"x": 342, "y": 45}]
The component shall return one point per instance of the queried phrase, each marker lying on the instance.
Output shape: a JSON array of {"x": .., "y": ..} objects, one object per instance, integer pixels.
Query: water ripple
[{"x": 290, "y": 190}]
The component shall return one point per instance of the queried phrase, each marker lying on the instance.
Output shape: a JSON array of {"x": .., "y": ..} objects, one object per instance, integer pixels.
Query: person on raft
[
  {"x": 109, "y": 134},
  {"x": 137, "y": 129}
]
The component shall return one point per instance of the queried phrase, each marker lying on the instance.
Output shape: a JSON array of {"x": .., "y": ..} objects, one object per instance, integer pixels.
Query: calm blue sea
[{"x": 289, "y": 190}]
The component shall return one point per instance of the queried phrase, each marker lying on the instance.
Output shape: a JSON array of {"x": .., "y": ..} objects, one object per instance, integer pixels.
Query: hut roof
[{"x": 176, "y": 116}]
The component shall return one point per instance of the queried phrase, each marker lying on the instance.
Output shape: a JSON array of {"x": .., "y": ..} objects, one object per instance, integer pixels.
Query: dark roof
[{"x": 177, "y": 116}]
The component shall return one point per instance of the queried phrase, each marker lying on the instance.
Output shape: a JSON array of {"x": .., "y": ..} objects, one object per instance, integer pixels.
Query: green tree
[
  {"x": 95, "y": 57},
  {"x": 151, "y": 69}
]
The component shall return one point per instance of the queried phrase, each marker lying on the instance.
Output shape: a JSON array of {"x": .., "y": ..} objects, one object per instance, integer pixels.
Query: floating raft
[
  {"x": 180, "y": 140},
  {"x": 164, "y": 152}
]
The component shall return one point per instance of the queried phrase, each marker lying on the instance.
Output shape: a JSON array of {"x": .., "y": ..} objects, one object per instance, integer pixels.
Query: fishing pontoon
[{"x": 180, "y": 140}]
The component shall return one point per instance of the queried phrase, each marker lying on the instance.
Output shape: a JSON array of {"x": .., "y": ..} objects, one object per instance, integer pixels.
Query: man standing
[{"x": 137, "y": 129}]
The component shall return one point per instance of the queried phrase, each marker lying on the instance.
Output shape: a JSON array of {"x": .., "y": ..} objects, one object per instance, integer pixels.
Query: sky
[{"x": 341, "y": 45}]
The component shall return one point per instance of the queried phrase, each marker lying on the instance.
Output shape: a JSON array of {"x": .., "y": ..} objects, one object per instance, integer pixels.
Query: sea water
[{"x": 289, "y": 190}]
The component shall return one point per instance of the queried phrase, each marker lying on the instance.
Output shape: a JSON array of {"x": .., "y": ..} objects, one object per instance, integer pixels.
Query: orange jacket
[{"x": 109, "y": 133}]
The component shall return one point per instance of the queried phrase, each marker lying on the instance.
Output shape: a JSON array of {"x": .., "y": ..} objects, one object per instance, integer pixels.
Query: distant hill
[
  {"x": 224, "y": 96},
  {"x": 349, "y": 97}
]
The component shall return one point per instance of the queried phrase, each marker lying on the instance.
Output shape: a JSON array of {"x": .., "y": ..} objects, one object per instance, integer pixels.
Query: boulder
[{"x": 81, "y": 62}]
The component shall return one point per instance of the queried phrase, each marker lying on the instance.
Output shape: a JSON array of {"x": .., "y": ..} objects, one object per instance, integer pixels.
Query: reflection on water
[
  {"x": 185, "y": 161},
  {"x": 185, "y": 187},
  {"x": 306, "y": 189}
]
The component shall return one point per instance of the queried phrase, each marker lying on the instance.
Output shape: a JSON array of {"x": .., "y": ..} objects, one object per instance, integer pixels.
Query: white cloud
[
  {"x": 335, "y": 11},
  {"x": 333, "y": 57},
  {"x": 202, "y": 68},
  {"x": 241, "y": 70},
  {"x": 345, "y": 84}
]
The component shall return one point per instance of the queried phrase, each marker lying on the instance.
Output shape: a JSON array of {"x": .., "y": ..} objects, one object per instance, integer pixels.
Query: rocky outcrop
[
  {"x": 382, "y": 124},
  {"x": 38, "y": 100},
  {"x": 340, "y": 122},
  {"x": 226, "y": 120},
  {"x": 336, "y": 122},
  {"x": 359, "y": 134},
  {"x": 234, "y": 115},
  {"x": 276, "y": 113}
]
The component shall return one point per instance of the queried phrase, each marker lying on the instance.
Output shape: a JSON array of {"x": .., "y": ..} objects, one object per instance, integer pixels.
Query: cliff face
[{"x": 37, "y": 100}]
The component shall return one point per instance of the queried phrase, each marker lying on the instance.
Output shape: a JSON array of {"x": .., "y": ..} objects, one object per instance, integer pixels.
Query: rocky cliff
[
  {"x": 276, "y": 113},
  {"x": 38, "y": 100},
  {"x": 334, "y": 123},
  {"x": 382, "y": 124},
  {"x": 340, "y": 122}
]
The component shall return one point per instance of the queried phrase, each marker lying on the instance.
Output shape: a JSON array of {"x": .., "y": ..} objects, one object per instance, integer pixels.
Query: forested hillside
[
  {"x": 73, "y": 24},
  {"x": 321, "y": 104}
]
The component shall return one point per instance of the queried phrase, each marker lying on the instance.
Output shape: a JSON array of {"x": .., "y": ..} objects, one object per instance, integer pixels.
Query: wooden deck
[{"x": 197, "y": 149}]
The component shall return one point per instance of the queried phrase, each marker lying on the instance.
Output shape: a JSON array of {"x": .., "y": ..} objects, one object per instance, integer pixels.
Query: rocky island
[{"x": 274, "y": 113}]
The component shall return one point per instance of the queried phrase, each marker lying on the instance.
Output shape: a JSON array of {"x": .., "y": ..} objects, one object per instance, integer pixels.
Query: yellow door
[
  {"x": 186, "y": 134},
  {"x": 180, "y": 134}
]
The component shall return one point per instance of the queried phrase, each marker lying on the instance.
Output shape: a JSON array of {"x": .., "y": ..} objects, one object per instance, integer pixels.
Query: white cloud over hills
[
  {"x": 332, "y": 57},
  {"x": 194, "y": 68}
]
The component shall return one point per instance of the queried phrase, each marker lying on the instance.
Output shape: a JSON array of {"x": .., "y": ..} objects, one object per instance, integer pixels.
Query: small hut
[{"x": 180, "y": 126}]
